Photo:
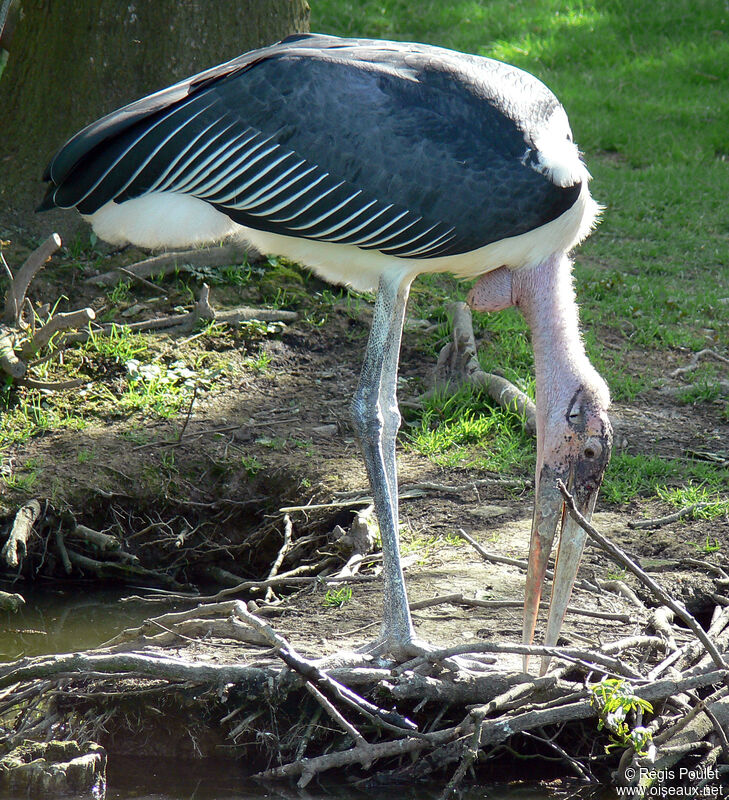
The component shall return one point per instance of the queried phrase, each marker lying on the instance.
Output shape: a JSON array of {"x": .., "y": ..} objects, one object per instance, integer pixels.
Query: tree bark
[{"x": 71, "y": 63}]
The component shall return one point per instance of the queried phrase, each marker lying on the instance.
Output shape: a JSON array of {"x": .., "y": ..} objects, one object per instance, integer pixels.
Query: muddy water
[
  {"x": 62, "y": 622},
  {"x": 142, "y": 779}
]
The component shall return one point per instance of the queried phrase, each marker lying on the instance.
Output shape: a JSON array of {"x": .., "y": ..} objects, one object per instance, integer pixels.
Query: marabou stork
[{"x": 372, "y": 162}]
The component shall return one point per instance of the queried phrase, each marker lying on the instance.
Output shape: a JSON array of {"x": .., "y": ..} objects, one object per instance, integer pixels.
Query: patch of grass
[
  {"x": 632, "y": 476},
  {"x": 261, "y": 362},
  {"x": 462, "y": 429},
  {"x": 120, "y": 345},
  {"x": 711, "y": 505}
]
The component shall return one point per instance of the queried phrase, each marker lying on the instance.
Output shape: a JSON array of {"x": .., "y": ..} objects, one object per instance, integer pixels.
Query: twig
[
  {"x": 619, "y": 556},
  {"x": 459, "y": 599},
  {"x": 506, "y": 483},
  {"x": 694, "y": 363},
  {"x": 359, "y": 501},
  {"x": 188, "y": 415},
  {"x": 658, "y": 522},
  {"x": 58, "y": 322},
  {"x": 288, "y": 530},
  {"x": 336, "y": 715},
  {"x": 577, "y": 655}
]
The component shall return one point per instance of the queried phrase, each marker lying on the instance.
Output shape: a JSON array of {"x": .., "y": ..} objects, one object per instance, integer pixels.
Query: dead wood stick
[
  {"x": 661, "y": 619},
  {"x": 150, "y": 665},
  {"x": 336, "y": 715},
  {"x": 694, "y": 363},
  {"x": 52, "y": 386},
  {"x": 165, "y": 263},
  {"x": 22, "y": 279},
  {"x": 16, "y": 546},
  {"x": 519, "y": 563},
  {"x": 588, "y": 658},
  {"x": 620, "y": 587},
  {"x": 458, "y": 363},
  {"x": 63, "y": 553},
  {"x": 507, "y": 483},
  {"x": 9, "y": 361},
  {"x": 189, "y": 320},
  {"x": 101, "y": 541},
  {"x": 288, "y": 531},
  {"x": 459, "y": 599},
  {"x": 308, "y": 768},
  {"x": 58, "y": 322},
  {"x": 113, "y": 569},
  {"x": 619, "y": 556},
  {"x": 659, "y": 522},
  {"x": 358, "y": 501}
]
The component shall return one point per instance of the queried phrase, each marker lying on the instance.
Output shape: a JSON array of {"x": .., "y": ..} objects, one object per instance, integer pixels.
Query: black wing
[{"x": 409, "y": 149}]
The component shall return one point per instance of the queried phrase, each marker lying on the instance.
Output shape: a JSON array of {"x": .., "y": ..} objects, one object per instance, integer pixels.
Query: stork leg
[{"x": 377, "y": 420}]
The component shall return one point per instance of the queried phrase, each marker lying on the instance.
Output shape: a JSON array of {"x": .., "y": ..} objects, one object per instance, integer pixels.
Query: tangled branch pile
[{"x": 653, "y": 699}]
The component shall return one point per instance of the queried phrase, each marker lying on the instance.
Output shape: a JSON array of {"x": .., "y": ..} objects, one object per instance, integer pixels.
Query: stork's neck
[{"x": 546, "y": 297}]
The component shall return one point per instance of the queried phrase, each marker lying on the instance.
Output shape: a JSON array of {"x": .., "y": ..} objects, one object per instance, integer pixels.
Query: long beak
[{"x": 549, "y": 514}]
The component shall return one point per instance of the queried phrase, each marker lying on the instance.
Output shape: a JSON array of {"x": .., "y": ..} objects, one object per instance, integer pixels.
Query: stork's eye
[{"x": 593, "y": 449}]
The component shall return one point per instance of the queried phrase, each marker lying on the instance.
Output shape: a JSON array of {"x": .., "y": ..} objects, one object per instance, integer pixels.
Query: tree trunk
[{"x": 72, "y": 62}]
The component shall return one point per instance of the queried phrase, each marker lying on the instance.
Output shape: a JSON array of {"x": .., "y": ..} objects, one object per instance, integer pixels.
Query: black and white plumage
[
  {"x": 370, "y": 162},
  {"x": 350, "y": 142}
]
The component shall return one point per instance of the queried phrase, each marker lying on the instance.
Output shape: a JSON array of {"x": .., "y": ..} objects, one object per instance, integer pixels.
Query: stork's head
[{"x": 574, "y": 435}]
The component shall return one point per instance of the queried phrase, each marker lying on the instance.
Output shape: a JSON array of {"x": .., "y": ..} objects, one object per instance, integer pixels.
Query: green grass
[
  {"x": 464, "y": 430},
  {"x": 630, "y": 477}
]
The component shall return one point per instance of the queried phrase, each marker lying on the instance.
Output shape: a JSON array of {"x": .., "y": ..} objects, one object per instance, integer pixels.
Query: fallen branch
[
  {"x": 696, "y": 358},
  {"x": 659, "y": 522},
  {"x": 233, "y": 253},
  {"x": 22, "y": 279},
  {"x": 57, "y": 323}
]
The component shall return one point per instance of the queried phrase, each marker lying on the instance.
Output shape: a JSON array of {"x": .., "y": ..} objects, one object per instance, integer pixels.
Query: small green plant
[
  {"x": 84, "y": 456},
  {"x": 708, "y": 547},
  {"x": 259, "y": 363},
  {"x": 251, "y": 465},
  {"x": 614, "y": 701},
  {"x": 120, "y": 293},
  {"x": 336, "y": 598}
]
